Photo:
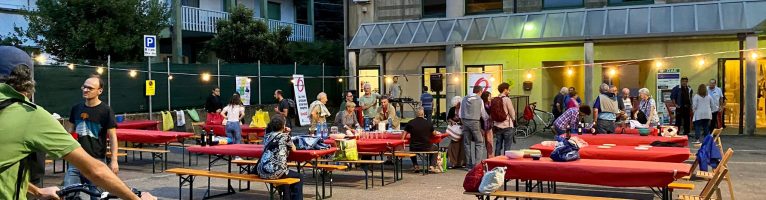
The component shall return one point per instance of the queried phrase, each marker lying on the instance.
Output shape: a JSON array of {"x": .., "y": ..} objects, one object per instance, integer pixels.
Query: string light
[
  {"x": 658, "y": 64},
  {"x": 70, "y": 66},
  {"x": 100, "y": 70},
  {"x": 612, "y": 72},
  {"x": 40, "y": 58},
  {"x": 570, "y": 71},
  {"x": 754, "y": 55},
  {"x": 340, "y": 80},
  {"x": 133, "y": 73},
  {"x": 701, "y": 62},
  {"x": 492, "y": 79},
  {"x": 456, "y": 79},
  {"x": 170, "y": 77},
  {"x": 206, "y": 76}
]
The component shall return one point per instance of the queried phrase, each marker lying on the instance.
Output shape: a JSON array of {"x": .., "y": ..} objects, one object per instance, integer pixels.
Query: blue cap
[{"x": 10, "y": 57}]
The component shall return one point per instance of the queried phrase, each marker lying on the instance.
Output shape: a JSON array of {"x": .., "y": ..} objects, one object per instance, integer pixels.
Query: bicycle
[
  {"x": 527, "y": 123},
  {"x": 74, "y": 192}
]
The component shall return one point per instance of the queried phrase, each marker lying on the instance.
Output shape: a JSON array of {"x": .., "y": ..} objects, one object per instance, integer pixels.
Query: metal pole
[
  {"x": 109, "y": 80},
  {"x": 295, "y": 68},
  {"x": 150, "y": 78},
  {"x": 259, "y": 82},
  {"x": 219, "y": 73},
  {"x": 741, "y": 38},
  {"x": 323, "y": 77},
  {"x": 169, "y": 84}
]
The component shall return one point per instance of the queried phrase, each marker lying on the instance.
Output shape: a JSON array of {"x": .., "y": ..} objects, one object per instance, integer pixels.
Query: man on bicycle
[{"x": 28, "y": 128}]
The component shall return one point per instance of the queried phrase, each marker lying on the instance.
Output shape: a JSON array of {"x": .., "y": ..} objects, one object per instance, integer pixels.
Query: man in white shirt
[{"x": 717, "y": 94}]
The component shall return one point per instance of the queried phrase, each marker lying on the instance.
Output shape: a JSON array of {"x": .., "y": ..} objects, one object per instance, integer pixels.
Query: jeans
[
  {"x": 428, "y": 113},
  {"x": 296, "y": 190},
  {"x": 714, "y": 121},
  {"x": 73, "y": 176},
  {"x": 475, "y": 151},
  {"x": 701, "y": 126},
  {"x": 503, "y": 140},
  {"x": 234, "y": 131},
  {"x": 605, "y": 126}
]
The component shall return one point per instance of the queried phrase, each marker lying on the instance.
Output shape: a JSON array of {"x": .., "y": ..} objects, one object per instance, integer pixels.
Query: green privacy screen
[{"x": 58, "y": 87}]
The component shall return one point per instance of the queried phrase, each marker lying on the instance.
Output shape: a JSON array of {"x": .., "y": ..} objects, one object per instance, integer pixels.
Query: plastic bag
[
  {"x": 309, "y": 143},
  {"x": 492, "y": 180},
  {"x": 260, "y": 119},
  {"x": 193, "y": 114},
  {"x": 473, "y": 178},
  {"x": 167, "y": 121},
  {"x": 565, "y": 151},
  {"x": 346, "y": 150}
]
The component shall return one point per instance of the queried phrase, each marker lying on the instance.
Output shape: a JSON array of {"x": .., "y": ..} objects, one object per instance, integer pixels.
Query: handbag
[
  {"x": 167, "y": 121},
  {"x": 565, "y": 151},
  {"x": 473, "y": 178},
  {"x": 492, "y": 180},
  {"x": 454, "y": 132},
  {"x": 346, "y": 150}
]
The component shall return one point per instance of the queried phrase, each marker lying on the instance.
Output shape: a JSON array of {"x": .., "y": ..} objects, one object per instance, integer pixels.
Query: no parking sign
[{"x": 479, "y": 79}]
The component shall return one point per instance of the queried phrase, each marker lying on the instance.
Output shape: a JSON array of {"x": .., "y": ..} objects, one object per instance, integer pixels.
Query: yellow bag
[
  {"x": 167, "y": 121},
  {"x": 346, "y": 150},
  {"x": 260, "y": 119}
]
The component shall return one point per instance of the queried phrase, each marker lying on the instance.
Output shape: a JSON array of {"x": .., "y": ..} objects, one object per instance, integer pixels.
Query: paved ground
[{"x": 747, "y": 166}]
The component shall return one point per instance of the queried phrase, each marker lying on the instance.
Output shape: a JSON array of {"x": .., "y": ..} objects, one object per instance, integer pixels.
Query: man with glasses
[
  {"x": 93, "y": 122},
  {"x": 348, "y": 98}
]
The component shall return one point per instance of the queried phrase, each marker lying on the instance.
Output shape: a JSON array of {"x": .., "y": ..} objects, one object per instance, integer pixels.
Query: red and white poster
[
  {"x": 479, "y": 79},
  {"x": 301, "y": 102}
]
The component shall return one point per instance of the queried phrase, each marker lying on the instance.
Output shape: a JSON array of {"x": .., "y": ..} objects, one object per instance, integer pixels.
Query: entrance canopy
[{"x": 658, "y": 20}]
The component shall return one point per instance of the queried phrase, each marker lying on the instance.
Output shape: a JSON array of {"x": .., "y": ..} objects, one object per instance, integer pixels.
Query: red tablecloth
[
  {"x": 150, "y": 136},
  {"x": 654, "y": 154},
  {"x": 615, "y": 173},
  {"x": 619, "y": 130},
  {"x": 434, "y": 139},
  {"x": 630, "y": 140},
  {"x": 256, "y": 150},
  {"x": 373, "y": 145},
  {"x": 220, "y": 130},
  {"x": 138, "y": 124}
]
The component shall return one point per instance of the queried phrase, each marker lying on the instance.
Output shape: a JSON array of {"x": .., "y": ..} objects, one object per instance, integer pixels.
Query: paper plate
[
  {"x": 604, "y": 147},
  {"x": 609, "y": 145},
  {"x": 642, "y": 148}
]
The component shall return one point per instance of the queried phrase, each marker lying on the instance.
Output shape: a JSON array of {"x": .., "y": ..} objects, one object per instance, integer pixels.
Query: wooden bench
[
  {"x": 425, "y": 157},
  {"x": 187, "y": 176},
  {"x": 367, "y": 175},
  {"x": 537, "y": 195},
  {"x": 156, "y": 154},
  {"x": 325, "y": 170}
]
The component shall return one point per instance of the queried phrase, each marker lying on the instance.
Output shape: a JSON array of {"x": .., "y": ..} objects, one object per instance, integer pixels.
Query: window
[
  {"x": 629, "y": 2},
  {"x": 190, "y": 3},
  {"x": 562, "y": 4},
  {"x": 275, "y": 10},
  {"x": 434, "y": 8},
  {"x": 483, "y": 6}
]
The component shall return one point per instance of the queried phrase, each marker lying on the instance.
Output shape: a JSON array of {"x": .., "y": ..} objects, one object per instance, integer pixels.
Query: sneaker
[{"x": 697, "y": 142}]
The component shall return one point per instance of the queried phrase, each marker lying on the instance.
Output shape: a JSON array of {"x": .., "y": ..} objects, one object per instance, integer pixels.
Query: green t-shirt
[
  {"x": 365, "y": 100},
  {"x": 25, "y": 130}
]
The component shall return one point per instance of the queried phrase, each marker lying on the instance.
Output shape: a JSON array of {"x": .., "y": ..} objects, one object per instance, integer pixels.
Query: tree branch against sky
[{"x": 242, "y": 39}]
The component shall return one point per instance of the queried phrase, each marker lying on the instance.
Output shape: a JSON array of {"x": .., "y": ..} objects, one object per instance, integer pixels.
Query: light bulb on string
[
  {"x": 754, "y": 55},
  {"x": 658, "y": 64},
  {"x": 612, "y": 72},
  {"x": 70, "y": 66},
  {"x": 701, "y": 62},
  {"x": 570, "y": 72},
  {"x": 100, "y": 70},
  {"x": 133, "y": 73},
  {"x": 340, "y": 80},
  {"x": 170, "y": 77},
  {"x": 206, "y": 76}
]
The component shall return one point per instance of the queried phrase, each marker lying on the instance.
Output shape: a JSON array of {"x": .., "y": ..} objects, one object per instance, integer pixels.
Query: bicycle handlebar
[{"x": 85, "y": 188}]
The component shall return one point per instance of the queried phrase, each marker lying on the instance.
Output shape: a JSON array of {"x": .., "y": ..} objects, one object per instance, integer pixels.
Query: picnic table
[
  {"x": 380, "y": 146},
  {"x": 613, "y": 173},
  {"x": 138, "y": 124},
  {"x": 654, "y": 154},
  {"x": 627, "y": 130},
  {"x": 629, "y": 139},
  {"x": 150, "y": 136},
  {"x": 220, "y": 130},
  {"x": 434, "y": 139}
]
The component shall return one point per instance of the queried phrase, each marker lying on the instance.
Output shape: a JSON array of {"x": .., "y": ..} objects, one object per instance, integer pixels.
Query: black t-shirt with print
[
  {"x": 420, "y": 131},
  {"x": 91, "y": 125}
]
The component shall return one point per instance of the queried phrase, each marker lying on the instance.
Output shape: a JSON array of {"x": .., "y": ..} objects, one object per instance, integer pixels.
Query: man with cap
[{"x": 34, "y": 130}]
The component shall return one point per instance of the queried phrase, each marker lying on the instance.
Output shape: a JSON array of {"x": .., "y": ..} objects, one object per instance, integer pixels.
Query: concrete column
[
  {"x": 455, "y": 8},
  {"x": 177, "y": 36},
  {"x": 310, "y": 10},
  {"x": 454, "y": 55},
  {"x": 264, "y": 9},
  {"x": 588, "y": 90},
  {"x": 751, "y": 104},
  {"x": 352, "y": 70}
]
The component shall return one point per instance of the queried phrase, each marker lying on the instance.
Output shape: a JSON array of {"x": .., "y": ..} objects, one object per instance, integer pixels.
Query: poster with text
[
  {"x": 243, "y": 88},
  {"x": 301, "y": 102},
  {"x": 666, "y": 80},
  {"x": 479, "y": 79}
]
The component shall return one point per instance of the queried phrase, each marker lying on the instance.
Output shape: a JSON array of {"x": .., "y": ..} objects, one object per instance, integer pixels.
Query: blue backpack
[{"x": 565, "y": 151}]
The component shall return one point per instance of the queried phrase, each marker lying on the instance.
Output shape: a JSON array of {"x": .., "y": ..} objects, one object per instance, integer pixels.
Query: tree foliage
[
  {"x": 329, "y": 52},
  {"x": 84, "y": 30},
  {"x": 243, "y": 39}
]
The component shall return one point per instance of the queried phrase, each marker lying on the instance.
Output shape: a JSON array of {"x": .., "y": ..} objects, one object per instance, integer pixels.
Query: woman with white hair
[
  {"x": 558, "y": 102},
  {"x": 647, "y": 109},
  {"x": 456, "y": 150},
  {"x": 319, "y": 112}
]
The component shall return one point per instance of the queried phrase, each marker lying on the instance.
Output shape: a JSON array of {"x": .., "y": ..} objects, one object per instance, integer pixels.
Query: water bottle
[
  {"x": 325, "y": 131},
  {"x": 210, "y": 138}
]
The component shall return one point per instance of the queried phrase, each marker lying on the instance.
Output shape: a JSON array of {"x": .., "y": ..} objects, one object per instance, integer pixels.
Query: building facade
[{"x": 551, "y": 44}]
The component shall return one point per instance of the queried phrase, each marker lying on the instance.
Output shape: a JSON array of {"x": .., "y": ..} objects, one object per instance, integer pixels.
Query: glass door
[{"x": 730, "y": 84}]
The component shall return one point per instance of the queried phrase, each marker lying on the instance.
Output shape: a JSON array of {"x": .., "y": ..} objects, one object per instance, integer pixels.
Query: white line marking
[{"x": 753, "y": 163}]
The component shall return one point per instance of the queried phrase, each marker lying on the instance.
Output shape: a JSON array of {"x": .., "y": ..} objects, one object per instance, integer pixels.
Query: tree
[
  {"x": 329, "y": 52},
  {"x": 91, "y": 30},
  {"x": 243, "y": 39},
  {"x": 17, "y": 39}
]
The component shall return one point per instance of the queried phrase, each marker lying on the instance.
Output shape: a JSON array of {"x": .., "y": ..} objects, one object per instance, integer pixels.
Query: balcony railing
[{"x": 201, "y": 20}]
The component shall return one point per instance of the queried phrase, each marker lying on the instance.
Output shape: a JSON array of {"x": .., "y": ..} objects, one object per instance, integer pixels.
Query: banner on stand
[
  {"x": 301, "y": 102},
  {"x": 243, "y": 88},
  {"x": 479, "y": 79},
  {"x": 666, "y": 80}
]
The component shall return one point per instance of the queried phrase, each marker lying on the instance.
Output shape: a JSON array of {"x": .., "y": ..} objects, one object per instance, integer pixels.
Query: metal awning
[{"x": 658, "y": 20}]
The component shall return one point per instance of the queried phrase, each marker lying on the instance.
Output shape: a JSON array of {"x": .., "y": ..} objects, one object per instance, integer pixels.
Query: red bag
[
  {"x": 214, "y": 119},
  {"x": 473, "y": 178},
  {"x": 529, "y": 114},
  {"x": 497, "y": 110}
]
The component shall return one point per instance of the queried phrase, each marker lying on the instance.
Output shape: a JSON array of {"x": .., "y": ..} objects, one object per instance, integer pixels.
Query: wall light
[
  {"x": 701, "y": 62},
  {"x": 170, "y": 77},
  {"x": 492, "y": 79},
  {"x": 529, "y": 27},
  {"x": 455, "y": 79},
  {"x": 389, "y": 80},
  {"x": 40, "y": 58},
  {"x": 529, "y": 75}
]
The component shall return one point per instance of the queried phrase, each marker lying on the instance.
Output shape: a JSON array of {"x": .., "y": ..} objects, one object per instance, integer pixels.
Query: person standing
[
  {"x": 647, "y": 107},
  {"x": 427, "y": 101},
  {"x": 703, "y": 106},
  {"x": 283, "y": 108},
  {"x": 472, "y": 110},
  {"x": 421, "y": 131},
  {"x": 682, "y": 97},
  {"x": 233, "y": 114},
  {"x": 504, "y": 129},
  {"x": 456, "y": 149},
  {"x": 348, "y": 97},
  {"x": 572, "y": 104},
  {"x": 395, "y": 91},
  {"x": 558, "y": 102},
  {"x": 93, "y": 121},
  {"x": 573, "y": 95},
  {"x": 717, "y": 94},
  {"x": 319, "y": 111},
  {"x": 628, "y": 105},
  {"x": 369, "y": 103},
  {"x": 605, "y": 111},
  {"x": 213, "y": 104},
  {"x": 486, "y": 126},
  {"x": 386, "y": 113}
]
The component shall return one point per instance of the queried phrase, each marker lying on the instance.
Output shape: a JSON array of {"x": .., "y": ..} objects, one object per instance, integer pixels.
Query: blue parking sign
[{"x": 150, "y": 45}]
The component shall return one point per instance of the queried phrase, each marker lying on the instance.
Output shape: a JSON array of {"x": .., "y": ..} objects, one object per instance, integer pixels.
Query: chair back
[
  {"x": 724, "y": 160},
  {"x": 712, "y": 185}
]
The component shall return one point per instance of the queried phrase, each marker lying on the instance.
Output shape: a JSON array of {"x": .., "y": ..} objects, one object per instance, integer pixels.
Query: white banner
[
  {"x": 666, "y": 80},
  {"x": 301, "y": 102},
  {"x": 243, "y": 88},
  {"x": 479, "y": 79}
]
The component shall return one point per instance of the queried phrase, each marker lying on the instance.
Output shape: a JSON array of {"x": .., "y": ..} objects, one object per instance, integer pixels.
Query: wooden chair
[
  {"x": 710, "y": 188},
  {"x": 717, "y": 139},
  {"x": 722, "y": 165}
]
